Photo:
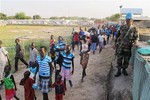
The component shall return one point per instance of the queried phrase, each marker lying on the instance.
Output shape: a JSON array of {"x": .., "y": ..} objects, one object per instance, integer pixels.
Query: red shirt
[
  {"x": 28, "y": 90},
  {"x": 59, "y": 87},
  {"x": 76, "y": 37}
]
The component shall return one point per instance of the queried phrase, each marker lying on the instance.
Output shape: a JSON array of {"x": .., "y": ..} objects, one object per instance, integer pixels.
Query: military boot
[
  {"x": 118, "y": 72},
  {"x": 124, "y": 72}
]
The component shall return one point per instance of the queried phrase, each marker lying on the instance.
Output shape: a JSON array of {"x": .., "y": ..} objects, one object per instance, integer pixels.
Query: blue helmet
[{"x": 129, "y": 16}]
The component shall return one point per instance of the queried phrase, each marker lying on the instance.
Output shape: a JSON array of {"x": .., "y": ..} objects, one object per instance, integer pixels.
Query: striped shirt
[
  {"x": 59, "y": 45},
  {"x": 44, "y": 68},
  {"x": 67, "y": 60}
]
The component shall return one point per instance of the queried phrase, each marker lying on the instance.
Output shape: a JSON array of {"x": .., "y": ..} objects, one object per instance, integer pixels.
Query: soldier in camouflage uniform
[{"x": 126, "y": 38}]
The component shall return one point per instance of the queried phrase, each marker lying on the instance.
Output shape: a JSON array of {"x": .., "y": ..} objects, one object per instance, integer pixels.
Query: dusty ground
[
  {"x": 120, "y": 88},
  {"x": 93, "y": 87}
]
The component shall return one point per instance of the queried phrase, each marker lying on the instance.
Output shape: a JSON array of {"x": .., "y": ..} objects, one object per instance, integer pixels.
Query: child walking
[
  {"x": 52, "y": 54},
  {"x": 33, "y": 69},
  {"x": 68, "y": 59},
  {"x": 27, "y": 82},
  {"x": 59, "y": 88},
  {"x": 10, "y": 85}
]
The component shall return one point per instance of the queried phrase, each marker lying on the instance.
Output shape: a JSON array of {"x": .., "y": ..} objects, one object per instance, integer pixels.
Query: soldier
[{"x": 126, "y": 38}]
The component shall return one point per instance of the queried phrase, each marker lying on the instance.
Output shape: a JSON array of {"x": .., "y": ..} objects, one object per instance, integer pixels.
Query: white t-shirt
[
  {"x": 84, "y": 47},
  {"x": 101, "y": 38},
  {"x": 33, "y": 55},
  {"x": 98, "y": 31},
  {"x": 3, "y": 58},
  {"x": 102, "y": 30}
]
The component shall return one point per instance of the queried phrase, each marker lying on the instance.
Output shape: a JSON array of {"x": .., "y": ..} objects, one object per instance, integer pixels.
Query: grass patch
[{"x": 27, "y": 34}]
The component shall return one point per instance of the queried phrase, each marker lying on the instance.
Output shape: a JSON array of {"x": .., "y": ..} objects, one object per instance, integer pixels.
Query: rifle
[{"x": 119, "y": 47}]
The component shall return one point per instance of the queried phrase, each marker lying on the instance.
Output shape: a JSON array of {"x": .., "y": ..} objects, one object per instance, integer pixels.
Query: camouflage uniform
[{"x": 124, "y": 45}]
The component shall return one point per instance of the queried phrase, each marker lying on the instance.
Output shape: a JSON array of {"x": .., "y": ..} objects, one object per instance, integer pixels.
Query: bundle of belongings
[
  {"x": 148, "y": 41},
  {"x": 145, "y": 51}
]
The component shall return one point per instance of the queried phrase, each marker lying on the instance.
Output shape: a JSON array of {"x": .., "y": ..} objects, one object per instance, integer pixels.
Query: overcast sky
[{"x": 84, "y": 8}]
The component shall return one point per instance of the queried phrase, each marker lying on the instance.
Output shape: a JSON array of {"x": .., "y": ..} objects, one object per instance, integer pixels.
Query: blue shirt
[
  {"x": 44, "y": 68},
  {"x": 81, "y": 34},
  {"x": 108, "y": 32},
  {"x": 59, "y": 45},
  {"x": 67, "y": 60},
  {"x": 33, "y": 70},
  {"x": 118, "y": 27}
]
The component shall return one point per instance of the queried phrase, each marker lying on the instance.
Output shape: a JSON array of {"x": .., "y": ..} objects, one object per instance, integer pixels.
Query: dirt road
[{"x": 93, "y": 87}]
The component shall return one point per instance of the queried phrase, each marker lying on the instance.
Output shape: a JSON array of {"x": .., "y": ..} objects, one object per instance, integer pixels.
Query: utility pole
[{"x": 120, "y": 9}]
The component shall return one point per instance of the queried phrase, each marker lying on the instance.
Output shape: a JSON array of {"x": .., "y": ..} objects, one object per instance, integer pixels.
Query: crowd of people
[{"x": 60, "y": 59}]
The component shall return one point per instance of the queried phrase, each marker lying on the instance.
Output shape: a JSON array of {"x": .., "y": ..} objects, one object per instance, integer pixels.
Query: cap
[{"x": 129, "y": 16}]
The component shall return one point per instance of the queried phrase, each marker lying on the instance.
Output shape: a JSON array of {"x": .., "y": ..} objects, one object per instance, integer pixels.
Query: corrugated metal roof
[
  {"x": 137, "y": 18},
  {"x": 134, "y": 11}
]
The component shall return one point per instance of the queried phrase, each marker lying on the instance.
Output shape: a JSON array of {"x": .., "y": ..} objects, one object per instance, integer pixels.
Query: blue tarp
[
  {"x": 141, "y": 80},
  {"x": 144, "y": 51},
  {"x": 148, "y": 41}
]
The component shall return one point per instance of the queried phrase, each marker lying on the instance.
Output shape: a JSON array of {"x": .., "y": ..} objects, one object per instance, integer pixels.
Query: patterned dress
[{"x": 85, "y": 55}]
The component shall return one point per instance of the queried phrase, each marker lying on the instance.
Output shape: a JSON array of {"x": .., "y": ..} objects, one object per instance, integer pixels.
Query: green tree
[
  {"x": 83, "y": 18},
  {"x": 54, "y": 17},
  {"x": 36, "y": 17},
  {"x": 3, "y": 16},
  {"x": 114, "y": 17},
  {"x": 20, "y": 15},
  {"x": 28, "y": 17},
  {"x": 93, "y": 19},
  {"x": 11, "y": 17}
]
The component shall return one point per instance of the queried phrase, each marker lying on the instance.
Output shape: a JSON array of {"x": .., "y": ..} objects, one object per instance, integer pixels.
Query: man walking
[
  {"x": 33, "y": 53},
  {"x": 94, "y": 40},
  {"x": 19, "y": 55},
  {"x": 3, "y": 60}
]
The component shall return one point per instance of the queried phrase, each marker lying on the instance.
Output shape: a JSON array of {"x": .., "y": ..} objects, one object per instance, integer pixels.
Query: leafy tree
[
  {"x": 28, "y": 17},
  {"x": 36, "y": 17},
  {"x": 114, "y": 17},
  {"x": 20, "y": 15},
  {"x": 93, "y": 19},
  {"x": 3, "y": 16},
  {"x": 63, "y": 17},
  {"x": 83, "y": 18},
  {"x": 54, "y": 17},
  {"x": 11, "y": 17}
]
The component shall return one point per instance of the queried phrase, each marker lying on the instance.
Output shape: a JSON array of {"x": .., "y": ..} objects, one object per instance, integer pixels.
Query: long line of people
[
  {"x": 58, "y": 60},
  {"x": 98, "y": 36},
  {"x": 42, "y": 65}
]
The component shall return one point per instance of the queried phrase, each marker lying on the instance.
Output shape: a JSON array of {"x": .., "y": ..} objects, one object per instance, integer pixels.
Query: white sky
[{"x": 82, "y": 8}]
